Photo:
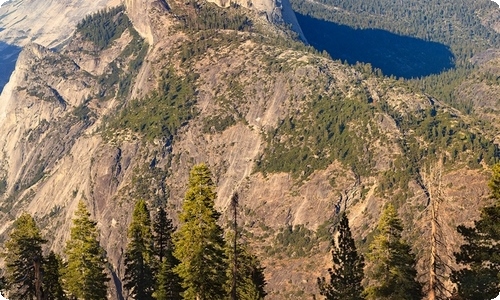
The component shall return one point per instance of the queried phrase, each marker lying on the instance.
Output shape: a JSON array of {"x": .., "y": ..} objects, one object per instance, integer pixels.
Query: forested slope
[
  {"x": 299, "y": 136},
  {"x": 458, "y": 24}
]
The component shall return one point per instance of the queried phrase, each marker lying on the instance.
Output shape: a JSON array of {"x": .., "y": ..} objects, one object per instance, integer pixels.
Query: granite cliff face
[
  {"x": 59, "y": 142},
  {"x": 48, "y": 23},
  {"x": 277, "y": 11}
]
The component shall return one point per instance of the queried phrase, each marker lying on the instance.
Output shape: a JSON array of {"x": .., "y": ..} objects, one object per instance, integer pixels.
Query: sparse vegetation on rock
[
  {"x": 479, "y": 256},
  {"x": 301, "y": 136}
]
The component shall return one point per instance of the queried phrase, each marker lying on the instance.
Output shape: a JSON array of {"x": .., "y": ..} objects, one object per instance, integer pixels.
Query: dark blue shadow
[
  {"x": 8, "y": 58},
  {"x": 397, "y": 55}
]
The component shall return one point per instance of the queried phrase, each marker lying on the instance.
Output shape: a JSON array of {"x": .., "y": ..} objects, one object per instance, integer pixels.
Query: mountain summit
[{"x": 120, "y": 104}]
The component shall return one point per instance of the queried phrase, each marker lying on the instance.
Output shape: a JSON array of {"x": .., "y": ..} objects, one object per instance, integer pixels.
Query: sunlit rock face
[
  {"x": 49, "y": 23},
  {"x": 52, "y": 154},
  {"x": 275, "y": 11}
]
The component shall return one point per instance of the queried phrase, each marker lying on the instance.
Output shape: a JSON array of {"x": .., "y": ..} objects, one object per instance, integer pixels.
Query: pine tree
[
  {"x": 23, "y": 259},
  {"x": 480, "y": 278},
  {"x": 347, "y": 273},
  {"x": 52, "y": 281},
  {"x": 168, "y": 285},
  {"x": 199, "y": 242},
  {"x": 139, "y": 279},
  {"x": 246, "y": 279},
  {"x": 167, "y": 282},
  {"x": 162, "y": 234},
  {"x": 250, "y": 279},
  {"x": 393, "y": 265},
  {"x": 85, "y": 276}
]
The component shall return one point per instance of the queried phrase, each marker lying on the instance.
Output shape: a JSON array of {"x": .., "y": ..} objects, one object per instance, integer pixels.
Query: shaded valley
[
  {"x": 8, "y": 58},
  {"x": 397, "y": 55}
]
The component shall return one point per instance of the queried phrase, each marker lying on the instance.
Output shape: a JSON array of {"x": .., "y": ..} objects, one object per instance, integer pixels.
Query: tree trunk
[
  {"x": 38, "y": 278},
  {"x": 234, "y": 204}
]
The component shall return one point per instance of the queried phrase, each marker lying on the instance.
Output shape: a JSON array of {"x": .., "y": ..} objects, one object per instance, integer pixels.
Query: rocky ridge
[
  {"x": 57, "y": 146},
  {"x": 48, "y": 23}
]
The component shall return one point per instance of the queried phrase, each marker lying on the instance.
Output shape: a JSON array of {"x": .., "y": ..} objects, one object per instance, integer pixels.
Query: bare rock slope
[
  {"x": 299, "y": 136},
  {"x": 49, "y": 23}
]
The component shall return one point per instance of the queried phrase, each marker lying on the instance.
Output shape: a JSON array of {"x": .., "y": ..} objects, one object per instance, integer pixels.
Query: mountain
[
  {"x": 126, "y": 105},
  {"x": 48, "y": 23}
]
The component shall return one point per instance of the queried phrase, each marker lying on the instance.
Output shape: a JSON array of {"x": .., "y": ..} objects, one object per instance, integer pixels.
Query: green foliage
[
  {"x": 323, "y": 230},
  {"x": 52, "y": 281},
  {"x": 250, "y": 279},
  {"x": 442, "y": 86},
  {"x": 454, "y": 23},
  {"x": 320, "y": 136},
  {"x": 83, "y": 113},
  {"x": 463, "y": 26},
  {"x": 246, "y": 278},
  {"x": 494, "y": 183},
  {"x": 347, "y": 273},
  {"x": 103, "y": 27},
  {"x": 441, "y": 131},
  {"x": 393, "y": 266},
  {"x": 479, "y": 278},
  {"x": 205, "y": 40},
  {"x": 137, "y": 50},
  {"x": 210, "y": 16},
  {"x": 162, "y": 235},
  {"x": 162, "y": 113},
  {"x": 218, "y": 123},
  {"x": 139, "y": 278},
  {"x": 168, "y": 283},
  {"x": 324, "y": 133},
  {"x": 108, "y": 81},
  {"x": 117, "y": 81},
  {"x": 23, "y": 259},
  {"x": 84, "y": 276},
  {"x": 429, "y": 135},
  {"x": 295, "y": 241},
  {"x": 199, "y": 242}
]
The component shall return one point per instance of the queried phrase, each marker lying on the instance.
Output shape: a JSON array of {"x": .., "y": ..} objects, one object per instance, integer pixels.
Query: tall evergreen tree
[
  {"x": 52, "y": 281},
  {"x": 139, "y": 279},
  {"x": 85, "y": 276},
  {"x": 23, "y": 259},
  {"x": 347, "y": 273},
  {"x": 168, "y": 283},
  {"x": 162, "y": 234},
  {"x": 199, "y": 242},
  {"x": 249, "y": 275},
  {"x": 393, "y": 265},
  {"x": 480, "y": 278},
  {"x": 246, "y": 279}
]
